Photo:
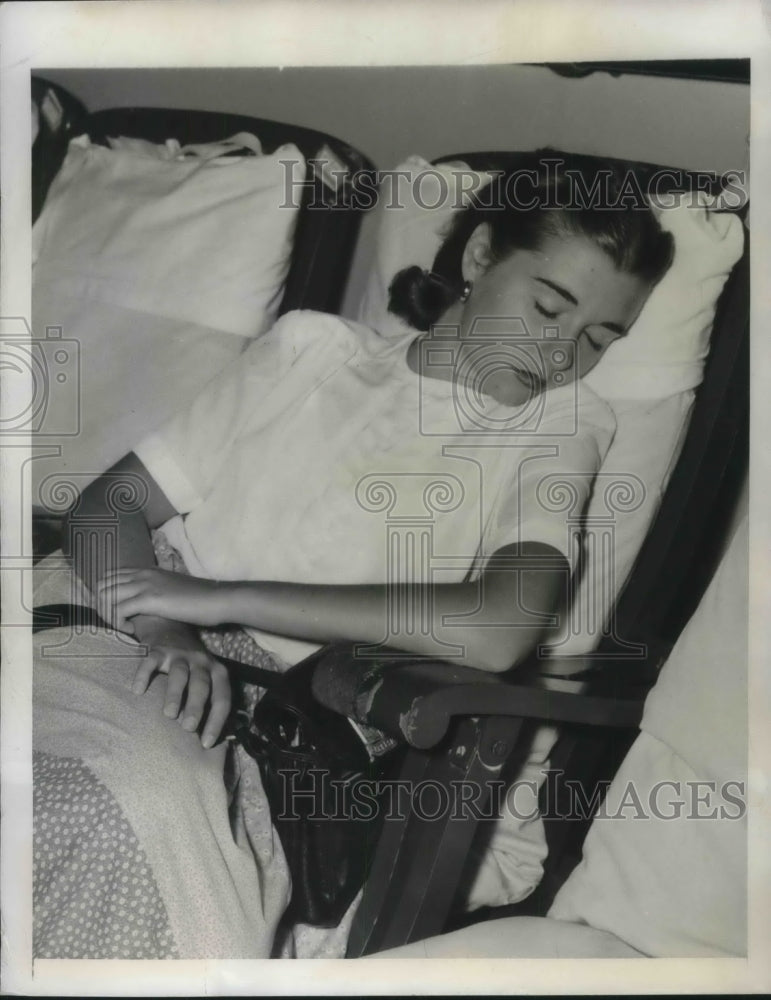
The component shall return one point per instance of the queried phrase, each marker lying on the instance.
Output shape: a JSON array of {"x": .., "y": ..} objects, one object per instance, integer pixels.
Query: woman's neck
[
  {"x": 417, "y": 357},
  {"x": 503, "y": 386}
]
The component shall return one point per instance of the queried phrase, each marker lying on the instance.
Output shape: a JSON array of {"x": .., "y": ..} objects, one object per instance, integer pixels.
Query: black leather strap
[{"x": 65, "y": 616}]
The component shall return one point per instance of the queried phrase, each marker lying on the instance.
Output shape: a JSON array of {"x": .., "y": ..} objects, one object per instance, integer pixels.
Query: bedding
[
  {"x": 685, "y": 864},
  {"x": 156, "y": 266},
  {"x": 517, "y": 937},
  {"x": 665, "y": 350},
  {"x": 190, "y": 234},
  {"x": 184, "y": 863},
  {"x": 138, "y": 869},
  {"x": 627, "y": 495}
]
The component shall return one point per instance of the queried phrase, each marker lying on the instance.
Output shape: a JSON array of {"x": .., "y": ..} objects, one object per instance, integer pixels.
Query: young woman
[{"x": 333, "y": 484}]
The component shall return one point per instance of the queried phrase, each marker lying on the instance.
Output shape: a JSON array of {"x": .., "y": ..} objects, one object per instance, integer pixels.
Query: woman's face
[{"x": 565, "y": 304}]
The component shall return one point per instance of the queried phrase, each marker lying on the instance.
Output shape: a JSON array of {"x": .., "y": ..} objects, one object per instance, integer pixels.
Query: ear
[{"x": 476, "y": 254}]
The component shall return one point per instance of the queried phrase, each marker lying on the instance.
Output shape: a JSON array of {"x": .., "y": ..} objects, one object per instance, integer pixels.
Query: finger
[
  {"x": 125, "y": 573},
  {"x": 140, "y": 604},
  {"x": 118, "y": 590},
  {"x": 116, "y": 578},
  {"x": 111, "y": 615},
  {"x": 179, "y": 674},
  {"x": 124, "y": 625},
  {"x": 198, "y": 690},
  {"x": 220, "y": 705},
  {"x": 107, "y": 579},
  {"x": 102, "y": 589},
  {"x": 112, "y": 595},
  {"x": 147, "y": 667},
  {"x": 115, "y": 617}
]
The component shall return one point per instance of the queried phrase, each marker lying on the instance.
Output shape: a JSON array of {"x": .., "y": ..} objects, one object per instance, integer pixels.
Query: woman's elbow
[
  {"x": 87, "y": 509},
  {"x": 503, "y": 651},
  {"x": 491, "y": 664},
  {"x": 91, "y": 503}
]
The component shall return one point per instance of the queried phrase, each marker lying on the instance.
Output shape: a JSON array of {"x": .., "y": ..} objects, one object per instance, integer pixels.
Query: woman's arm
[
  {"x": 492, "y": 623},
  {"x": 109, "y": 528}
]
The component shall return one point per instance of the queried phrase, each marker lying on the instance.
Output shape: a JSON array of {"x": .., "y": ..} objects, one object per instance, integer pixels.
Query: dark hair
[{"x": 557, "y": 206}]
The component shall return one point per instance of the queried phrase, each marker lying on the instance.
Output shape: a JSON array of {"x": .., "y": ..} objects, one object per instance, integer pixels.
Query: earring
[{"x": 467, "y": 286}]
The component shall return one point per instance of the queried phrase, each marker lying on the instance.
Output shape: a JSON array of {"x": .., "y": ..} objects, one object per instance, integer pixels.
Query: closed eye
[
  {"x": 604, "y": 338},
  {"x": 594, "y": 344},
  {"x": 545, "y": 312}
]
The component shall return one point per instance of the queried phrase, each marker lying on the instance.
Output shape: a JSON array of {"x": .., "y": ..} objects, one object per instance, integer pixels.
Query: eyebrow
[
  {"x": 613, "y": 327},
  {"x": 559, "y": 290}
]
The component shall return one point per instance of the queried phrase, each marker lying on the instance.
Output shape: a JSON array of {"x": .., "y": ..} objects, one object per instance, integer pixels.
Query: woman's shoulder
[
  {"x": 596, "y": 409},
  {"x": 576, "y": 410},
  {"x": 306, "y": 329},
  {"x": 595, "y": 418}
]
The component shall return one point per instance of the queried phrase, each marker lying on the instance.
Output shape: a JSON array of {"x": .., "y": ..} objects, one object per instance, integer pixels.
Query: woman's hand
[
  {"x": 196, "y": 679},
  {"x": 174, "y": 596}
]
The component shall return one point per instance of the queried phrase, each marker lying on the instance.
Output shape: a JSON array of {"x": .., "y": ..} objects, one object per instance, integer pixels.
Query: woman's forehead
[
  {"x": 573, "y": 254},
  {"x": 577, "y": 266}
]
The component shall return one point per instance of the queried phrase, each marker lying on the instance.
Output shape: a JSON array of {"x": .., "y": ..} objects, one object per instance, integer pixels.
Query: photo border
[{"x": 344, "y": 32}]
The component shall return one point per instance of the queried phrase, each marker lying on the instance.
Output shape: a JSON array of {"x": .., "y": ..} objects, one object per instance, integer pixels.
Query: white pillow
[
  {"x": 411, "y": 230},
  {"x": 626, "y": 496},
  {"x": 153, "y": 271},
  {"x": 193, "y": 238},
  {"x": 665, "y": 350},
  {"x": 124, "y": 373},
  {"x": 664, "y": 864}
]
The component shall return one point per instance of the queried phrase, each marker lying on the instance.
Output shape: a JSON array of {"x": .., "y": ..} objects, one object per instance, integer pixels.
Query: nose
[{"x": 559, "y": 344}]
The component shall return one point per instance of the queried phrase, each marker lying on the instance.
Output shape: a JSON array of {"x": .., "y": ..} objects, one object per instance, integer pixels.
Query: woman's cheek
[{"x": 586, "y": 357}]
